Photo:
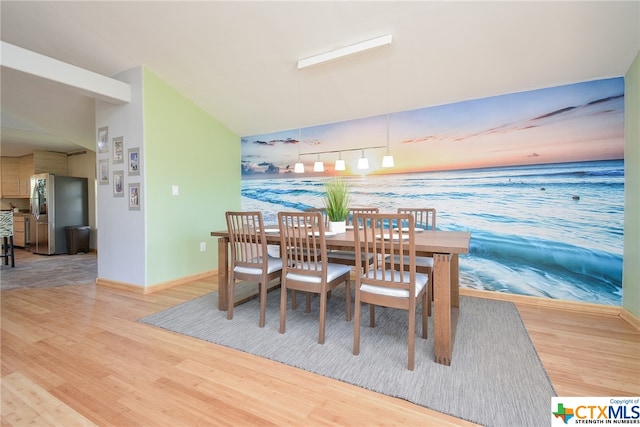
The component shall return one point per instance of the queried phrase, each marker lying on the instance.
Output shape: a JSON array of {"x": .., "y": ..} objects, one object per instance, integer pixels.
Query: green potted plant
[{"x": 336, "y": 201}]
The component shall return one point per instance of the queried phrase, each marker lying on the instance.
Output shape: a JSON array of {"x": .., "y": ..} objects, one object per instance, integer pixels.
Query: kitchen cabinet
[
  {"x": 16, "y": 172},
  {"x": 10, "y": 175},
  {"x": 20, "y": 230}
]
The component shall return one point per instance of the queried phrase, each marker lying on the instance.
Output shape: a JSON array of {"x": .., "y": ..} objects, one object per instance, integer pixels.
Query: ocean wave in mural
[{"x": 537, "y": 177}]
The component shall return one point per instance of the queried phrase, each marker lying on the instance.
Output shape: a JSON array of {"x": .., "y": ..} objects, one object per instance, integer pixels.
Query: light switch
[{"x": 175, "y": 190}]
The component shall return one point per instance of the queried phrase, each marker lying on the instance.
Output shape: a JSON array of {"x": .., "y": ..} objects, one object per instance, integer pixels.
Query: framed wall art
[
  {"x": 103, "y": 140},
  {"x": 118, "y": 183},
  {"x": 118, "y": 150},
  {"x": 103, "y": 171},
  {"x": 134, "y": 161},
  {"x": 134, "y": 196}
]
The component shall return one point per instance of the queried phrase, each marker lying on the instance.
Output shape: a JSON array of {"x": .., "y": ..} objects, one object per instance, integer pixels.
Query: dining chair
[
  {"x": 6, "y": 233},
  {"x": 424, "y": 219},
  {"x": 349, "y": 257},
  {"x": 250, "y": 260},
  {"x": 304, "y": 266},
  {"x": 323, "y": 212},
  {"x": 391, "y": 282}
]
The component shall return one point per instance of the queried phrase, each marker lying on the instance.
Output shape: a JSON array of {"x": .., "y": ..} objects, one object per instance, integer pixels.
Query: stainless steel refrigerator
[{"x": 56, "y": 202}]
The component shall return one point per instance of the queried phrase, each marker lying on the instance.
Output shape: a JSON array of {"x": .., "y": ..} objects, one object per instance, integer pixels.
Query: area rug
[{"x": 495, "y": 378}]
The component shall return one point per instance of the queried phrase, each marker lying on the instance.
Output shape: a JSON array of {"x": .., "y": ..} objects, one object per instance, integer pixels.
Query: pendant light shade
[
  {"x": 340, "y": 166},
  {"x": 299, "y": 166},
  {"x": 363, "y": 162},
  {"x": 387, "y": 160},
  {"x": 318, "y": 166}
]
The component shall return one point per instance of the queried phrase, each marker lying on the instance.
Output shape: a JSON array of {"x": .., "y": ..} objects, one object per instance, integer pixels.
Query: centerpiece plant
[{"x": 336, "y": 201}]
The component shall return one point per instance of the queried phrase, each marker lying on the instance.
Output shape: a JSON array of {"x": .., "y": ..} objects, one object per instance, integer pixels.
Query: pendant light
[
  {"x": 363, "y": 162},
  {"x": 299, "y": 166},
  {"x": 387, "y": 160},
  {"x": 340, "y": 166},
  {"x": 318, "y": 166}
]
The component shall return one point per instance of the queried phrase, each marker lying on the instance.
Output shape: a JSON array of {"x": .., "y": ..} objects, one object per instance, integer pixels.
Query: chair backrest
[
  {"x": 302, "y": 243},
  {"x": 392, "y": 249},
  {"x": 323, "y": 212},
  {"x": 6, "y": 223},
  {"x": 425, "y": 218},
  {"x": 247, "y": 239},
  {"x": 353, "y": 211}
]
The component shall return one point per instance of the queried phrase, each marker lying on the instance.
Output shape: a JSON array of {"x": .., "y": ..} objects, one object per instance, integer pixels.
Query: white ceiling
[{"x": 237, "y": 59}]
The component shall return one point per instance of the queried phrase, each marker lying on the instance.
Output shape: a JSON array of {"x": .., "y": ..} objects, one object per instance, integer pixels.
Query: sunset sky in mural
[{"x": 575, "y": 122}]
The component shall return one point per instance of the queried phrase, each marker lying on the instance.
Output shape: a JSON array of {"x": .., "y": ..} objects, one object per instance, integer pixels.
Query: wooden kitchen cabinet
[
  {"x": 25, "y": 172},
  {"x": 10, "y": 177},
  {"x": 19, "y": 230}
]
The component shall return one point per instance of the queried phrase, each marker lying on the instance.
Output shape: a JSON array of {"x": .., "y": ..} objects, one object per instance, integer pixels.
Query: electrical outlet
[
  {"x": 203, "y": 246},
  {"x": 175, "y": 190}
]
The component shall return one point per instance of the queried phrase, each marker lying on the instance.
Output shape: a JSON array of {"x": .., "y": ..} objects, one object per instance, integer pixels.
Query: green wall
[
  {"x": 631, "y": 269},
  {"x": 187, "y": 147}
]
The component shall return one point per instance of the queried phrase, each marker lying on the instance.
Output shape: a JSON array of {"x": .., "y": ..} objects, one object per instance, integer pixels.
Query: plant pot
[{"x": 338, "y": 226}]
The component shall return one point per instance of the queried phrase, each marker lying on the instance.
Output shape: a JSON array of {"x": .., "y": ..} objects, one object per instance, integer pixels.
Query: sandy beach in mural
[{"x": 537, "y": 177}]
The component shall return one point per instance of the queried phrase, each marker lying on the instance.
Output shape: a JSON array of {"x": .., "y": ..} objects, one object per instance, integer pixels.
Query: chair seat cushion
[
  {"x": 421, "y": 282},
  {"x": 333, "y": 272},
  {"x": 421, "y": 261},
  {"x": 273, "y": 264}
]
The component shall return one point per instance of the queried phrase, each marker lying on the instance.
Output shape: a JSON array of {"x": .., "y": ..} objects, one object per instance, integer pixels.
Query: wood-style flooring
[{"x": 75, "y": 355}]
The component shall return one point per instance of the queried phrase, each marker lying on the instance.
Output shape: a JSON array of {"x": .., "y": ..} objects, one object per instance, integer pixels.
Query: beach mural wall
[{"x": 537, "y": 178}]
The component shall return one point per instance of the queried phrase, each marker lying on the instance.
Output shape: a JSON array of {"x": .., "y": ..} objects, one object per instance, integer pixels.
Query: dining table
[{"x": 445, "y": 247}]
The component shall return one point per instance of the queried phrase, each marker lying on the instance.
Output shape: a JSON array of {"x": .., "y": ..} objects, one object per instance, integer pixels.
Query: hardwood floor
[{"x": 75, "y": 355}]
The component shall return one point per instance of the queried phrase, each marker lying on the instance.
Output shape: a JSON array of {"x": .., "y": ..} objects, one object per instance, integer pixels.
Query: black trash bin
[{"x": 77, "y": 239}]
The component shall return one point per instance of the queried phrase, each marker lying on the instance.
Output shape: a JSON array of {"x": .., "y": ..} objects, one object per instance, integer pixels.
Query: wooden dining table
[{"x": 444, "y": 246}]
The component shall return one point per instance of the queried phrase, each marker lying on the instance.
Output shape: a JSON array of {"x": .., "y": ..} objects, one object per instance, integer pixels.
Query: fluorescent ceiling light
[{"x": 344, "y": 51}]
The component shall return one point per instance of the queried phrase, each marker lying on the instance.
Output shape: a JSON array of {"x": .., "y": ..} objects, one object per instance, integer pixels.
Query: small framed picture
[
  {"x": 118, "y": 183},
  {"x": 103, "y": 171},
  {"x": 118, "y": 150},
  {"x": 103, "y": 140},
  {"x": 134, "y": 161},
  {"x": 134, "y": 196}
]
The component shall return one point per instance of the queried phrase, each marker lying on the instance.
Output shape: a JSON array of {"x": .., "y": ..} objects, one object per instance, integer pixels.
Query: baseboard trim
[
  {"x": 628, "y": 317},
  {"x": 154, "y": 288},
  {"x": 574, "y": 306}
]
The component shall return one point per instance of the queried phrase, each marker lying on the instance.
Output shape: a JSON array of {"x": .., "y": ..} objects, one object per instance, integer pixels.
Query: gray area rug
[
  {"x": 42, "y": 271},
  {"x": 495, "y": 377}
]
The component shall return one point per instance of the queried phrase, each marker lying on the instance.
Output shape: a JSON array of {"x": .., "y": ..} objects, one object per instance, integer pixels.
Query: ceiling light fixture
[
  {"x": 387, "y": 160},
  {"x": 345, "y": 51}
]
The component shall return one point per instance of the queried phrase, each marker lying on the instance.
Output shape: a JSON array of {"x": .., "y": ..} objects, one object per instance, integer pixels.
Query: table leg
[
  {"x": 223, "y": 272},
  {"x": 442, "y": 296},
  {"x": 455, "y": 281}
]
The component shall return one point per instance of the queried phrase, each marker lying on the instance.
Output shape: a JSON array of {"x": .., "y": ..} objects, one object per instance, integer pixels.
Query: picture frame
[
  {"x": 118, "y": 150},
  {"x": 133, "y": 160},
  {"x": 103, "y": 172},
  {"x": 118, "y": 183},
  {"x": 103, "y": 139},
  {"x": 134, "y": 196}
]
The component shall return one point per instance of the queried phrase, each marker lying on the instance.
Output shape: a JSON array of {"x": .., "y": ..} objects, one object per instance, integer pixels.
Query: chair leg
[
  {"x": 425, "y": 316},
  {"x": 294, "y": 299},
  {"x": 356, "y": 325},
  {"x": 430, "y": 291},
  {"x": 230, "y": 296},
  {"x": 308, "y": 299},
  {"x": 323, "y": 312},
  {"x": 412, "y": 337},
  {"x": 13, "y": 258},
  {"x": 372, "y": 315},
  {"x": 263, "y": 302},
  {"x": 348, "y": 298},
  {"x": 283, "y": 306}
]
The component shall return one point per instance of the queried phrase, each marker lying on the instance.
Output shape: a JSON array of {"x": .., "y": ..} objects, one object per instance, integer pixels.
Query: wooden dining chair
[
  {"x": 250, "y": 260},
  {"x": 323, "y": 212},
  {"x": 304, "y": 266},
  {"x": 424, "y": 219},
  {"x": 349, "y": 257},
  {"x": 391, "y": 282}
]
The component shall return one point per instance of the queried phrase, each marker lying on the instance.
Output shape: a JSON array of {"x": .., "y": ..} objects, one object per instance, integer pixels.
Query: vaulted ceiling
[{"x": 237, "y": 59}]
